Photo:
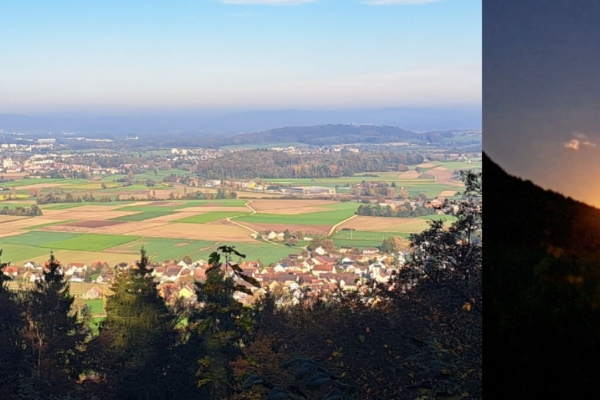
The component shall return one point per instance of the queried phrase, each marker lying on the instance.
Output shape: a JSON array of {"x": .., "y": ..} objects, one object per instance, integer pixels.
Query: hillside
[
  {"x": 542, "y": 280},
  {"x": 334, "y": 134}
]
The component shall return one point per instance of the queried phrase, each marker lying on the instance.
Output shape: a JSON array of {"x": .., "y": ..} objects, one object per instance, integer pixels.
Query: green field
[
  {"x": 455, "y": 166},
  {"x": 91, "y": 242},
  {"x": 362, "y": 239},
  {"x": 96, "y": 306},
  {"x": 160, "y": 249},
  {"x": 265, "y": 252},
  {"x": 38, "y": 239},
  {"x": 27, "y": 182},
  {"x": 12, "y": 205},
  {"x": 209, "y": 217},
  {"x": 17, "y": 252}
]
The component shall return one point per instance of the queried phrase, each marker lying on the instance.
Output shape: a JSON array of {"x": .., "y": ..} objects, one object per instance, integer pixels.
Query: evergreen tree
[
  {"x": 53, "y": 334},
  {"x": 11, "y": 353},
  {"x": 222, "y": 324},
  {"x": 132, "y": 349}
]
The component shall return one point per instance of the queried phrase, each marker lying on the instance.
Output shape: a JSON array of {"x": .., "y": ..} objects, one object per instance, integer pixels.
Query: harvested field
[
  {"x": 13, "y": 175},
  {"x": 173, "y": 216},
  {"x": 383, "y": 224},
  {"x": 70, "y": 229},
  {"x": 210, "y": 217},
  {"x": 95, "y": 208},
  {"x": 93, "y": 224},
  {"x": 68, "y": 256},
  {"x": 162, "y": 204},
  {"x": 308, "y": 229},
  {"x": 290, "y": 207},
  {"x": 448, "y": 193},
  {"x": 426, "y": 165},
  {"x": 162, "y": 193},
  {"x": 258, "y": 195},
  {"x": 130, "y": 227},
  {"x": 88, "y": 212},
  {"x": 225, "y": 233},
  {"x": 143, "y": 216},
  {"x": 11, "y": 233},
  {"x": 40, "y": 186},
  {"x": 443, "y": 175},
  {"x": 27, "y": 222},
  {"x": 412, "y": 174},
  {"x": 7, "y": 218},
  {"x": 207, "y": 209}
]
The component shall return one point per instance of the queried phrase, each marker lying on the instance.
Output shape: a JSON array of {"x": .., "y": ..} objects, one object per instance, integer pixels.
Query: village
[{"x": 313, "y": 273}]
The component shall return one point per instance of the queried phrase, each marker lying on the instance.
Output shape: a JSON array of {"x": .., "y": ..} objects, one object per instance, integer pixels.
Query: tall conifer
[
  {"x": 11, "y": 350},
  {"x": 52, "y": 333},
  {"x": 133, "y": 347}
]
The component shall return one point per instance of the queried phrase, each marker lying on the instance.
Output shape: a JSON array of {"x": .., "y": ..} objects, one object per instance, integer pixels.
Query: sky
[
  {"x": 136, "y": 57},
  {"x": 541, "y": 93}
]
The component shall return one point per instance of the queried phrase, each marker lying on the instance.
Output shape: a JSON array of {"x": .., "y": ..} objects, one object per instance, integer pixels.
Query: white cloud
[
  {"x": 267, "y": 2},
  {"x": 575, "y": 144},
  {"x": 572, "y": 144},
  {"x": 393, "y": 2}
]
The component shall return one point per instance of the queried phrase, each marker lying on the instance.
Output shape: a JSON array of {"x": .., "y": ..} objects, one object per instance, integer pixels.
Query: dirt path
[
  {"x": 241, "y": 225},
  {"x": 332, "y": 230},
  {"x": 247, "y": 227}
]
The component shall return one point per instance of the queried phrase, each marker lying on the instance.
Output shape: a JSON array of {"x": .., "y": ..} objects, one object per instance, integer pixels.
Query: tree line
[
  {"x": 403, "y": 211},
  {"x": 31, "y": 211},
  {"x": 269, "y": 164}
]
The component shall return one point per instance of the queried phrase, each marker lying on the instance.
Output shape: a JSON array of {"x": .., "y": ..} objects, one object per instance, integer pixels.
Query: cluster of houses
[
  {"x": 78, "y": 272},
  {"x": 314, "y": 274}
]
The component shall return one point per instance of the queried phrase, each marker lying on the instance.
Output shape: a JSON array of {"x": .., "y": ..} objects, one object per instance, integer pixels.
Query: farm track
[
  {"x": 332, "y": 230},
  {"x": 253, "y": 211}
]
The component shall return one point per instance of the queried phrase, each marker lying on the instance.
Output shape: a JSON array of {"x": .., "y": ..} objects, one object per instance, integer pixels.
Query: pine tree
[
  {"x": 222, "y": 323},
  {"x": 133, "y": 347},
  {"x": 53, "y": 334},
  {"x": 11, "y": 350}
]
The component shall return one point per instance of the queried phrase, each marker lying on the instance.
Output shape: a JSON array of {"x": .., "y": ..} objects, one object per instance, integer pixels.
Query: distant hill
[
  {"x": 230, "y": 123},
  {"x": 542, "y": 290},
  {"x": 334, "y": 134}
]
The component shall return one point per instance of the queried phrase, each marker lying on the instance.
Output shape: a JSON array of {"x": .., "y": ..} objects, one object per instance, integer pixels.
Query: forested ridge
[
  {"x": 323, "y": 135},
  {"x": 542, "y": 284},
  {"x": 274, "y": 164},
  {"x": 417, "y": 336}
]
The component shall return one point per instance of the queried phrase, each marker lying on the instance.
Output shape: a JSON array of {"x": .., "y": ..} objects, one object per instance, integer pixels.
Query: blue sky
[{"x": 177, "y": 56}]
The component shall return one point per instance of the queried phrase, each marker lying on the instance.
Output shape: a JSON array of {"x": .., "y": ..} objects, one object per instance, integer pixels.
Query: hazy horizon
[{"x": 415, "y": 119}]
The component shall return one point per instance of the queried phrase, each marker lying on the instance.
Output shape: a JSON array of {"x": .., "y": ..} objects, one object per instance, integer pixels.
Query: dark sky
[{"x": 541, "y": 92}]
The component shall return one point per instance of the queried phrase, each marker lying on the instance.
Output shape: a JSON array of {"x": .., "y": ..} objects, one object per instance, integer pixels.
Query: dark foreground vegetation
[
  {"x": 418, "y": 336},
  {"x": 542, "y": 285}
]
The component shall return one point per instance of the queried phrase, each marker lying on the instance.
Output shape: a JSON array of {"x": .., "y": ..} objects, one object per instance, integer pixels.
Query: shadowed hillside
[{"x": 542, "y": 279}]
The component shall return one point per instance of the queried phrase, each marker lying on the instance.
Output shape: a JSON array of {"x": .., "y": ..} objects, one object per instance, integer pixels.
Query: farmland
[{"x": 172, "y": 228}]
